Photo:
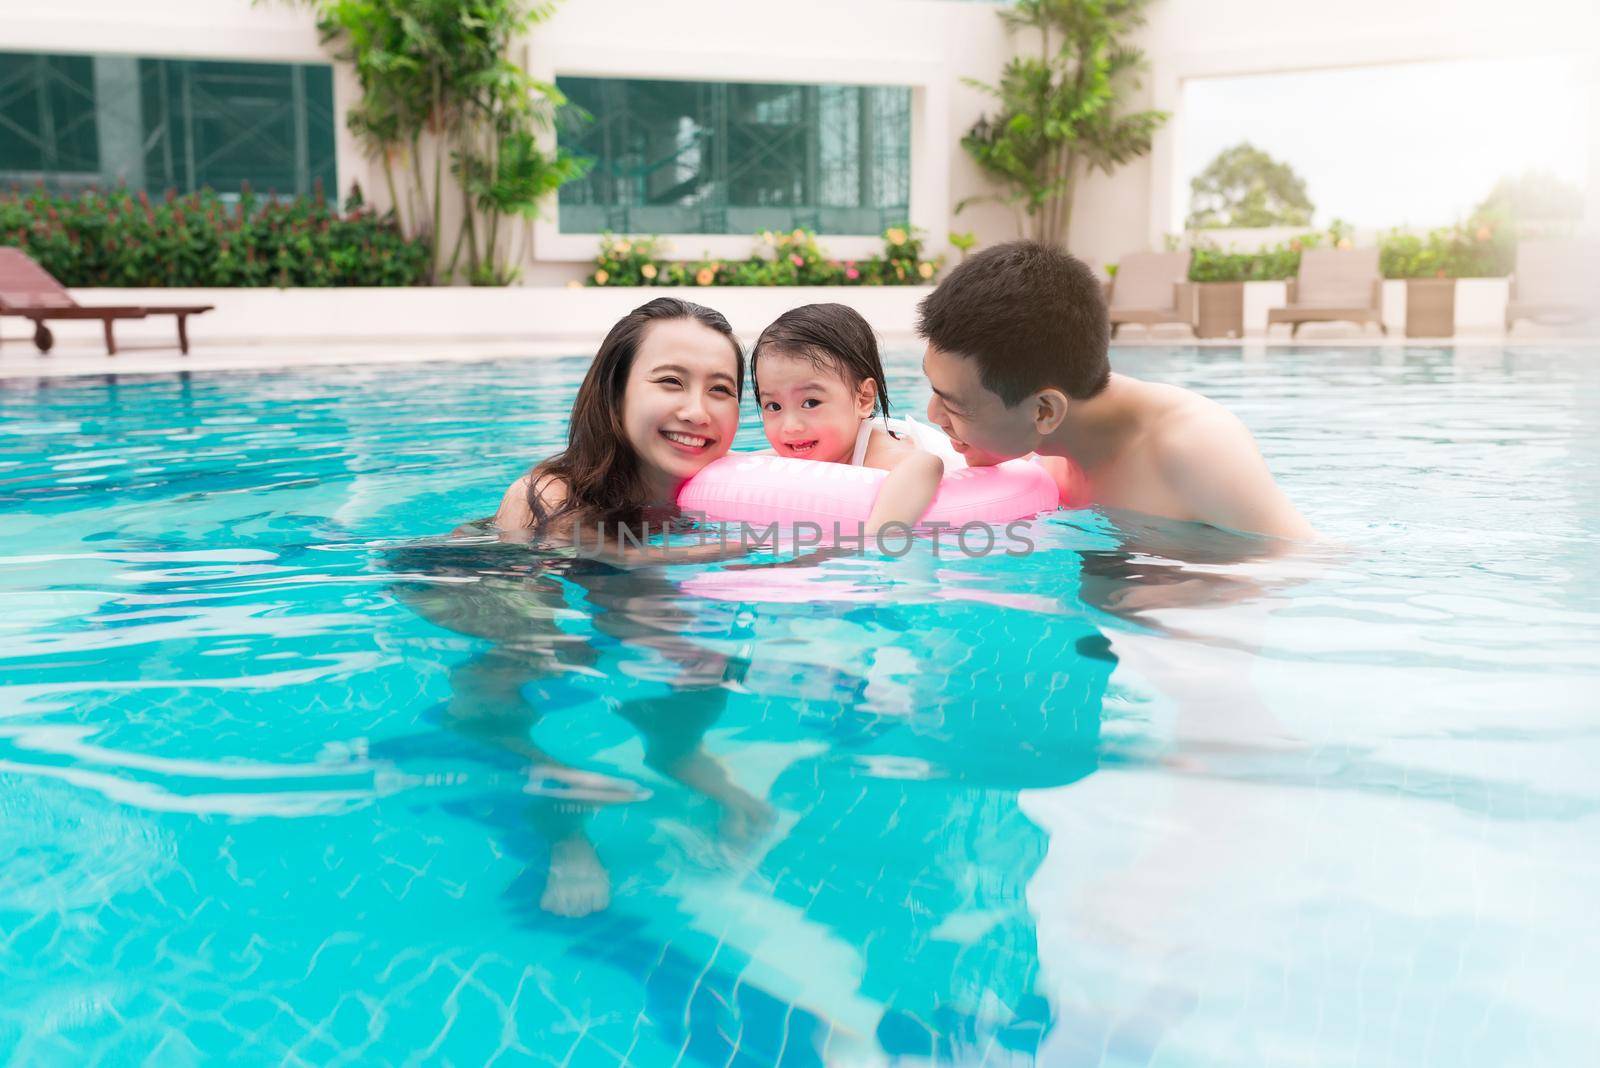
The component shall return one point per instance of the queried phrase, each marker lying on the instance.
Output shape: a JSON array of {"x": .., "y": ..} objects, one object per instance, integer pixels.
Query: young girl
[{"x": 819, "y": 382}]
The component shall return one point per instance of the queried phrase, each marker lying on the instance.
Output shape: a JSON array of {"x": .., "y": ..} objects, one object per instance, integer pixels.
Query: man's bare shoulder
[
  {"x": 1209, "y": 460},
  {"x": 1192, "y": 429}
]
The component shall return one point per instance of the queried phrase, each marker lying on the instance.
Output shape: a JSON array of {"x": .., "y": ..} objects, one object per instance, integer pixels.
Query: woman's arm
[{"x": 515, "y": 520}]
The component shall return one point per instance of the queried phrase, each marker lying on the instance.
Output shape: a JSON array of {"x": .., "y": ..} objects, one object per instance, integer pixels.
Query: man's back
[{"x": 1166, "y": 451}]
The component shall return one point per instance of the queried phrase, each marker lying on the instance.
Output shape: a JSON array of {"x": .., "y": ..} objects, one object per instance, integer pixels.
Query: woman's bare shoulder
[{"x": 516, "y": 513}]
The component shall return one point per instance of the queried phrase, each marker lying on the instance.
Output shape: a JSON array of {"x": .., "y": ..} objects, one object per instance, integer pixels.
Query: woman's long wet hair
[
  {"x": 834, "y": 337},
  {"x": 599, "y": 465}
]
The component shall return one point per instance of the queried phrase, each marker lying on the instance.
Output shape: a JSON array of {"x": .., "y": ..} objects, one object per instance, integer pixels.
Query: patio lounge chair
[
  {"x": 1151, "y": 288},
  {"x": 1334, "y": 287},
  {"x": 1555, "y": 281},
  {"x": 29, "y": 291}
]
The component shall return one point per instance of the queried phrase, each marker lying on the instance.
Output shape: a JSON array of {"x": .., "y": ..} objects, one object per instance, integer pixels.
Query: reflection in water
[
  {"x": 670, "y": 688},
  {"x": 891, "y": 821}
]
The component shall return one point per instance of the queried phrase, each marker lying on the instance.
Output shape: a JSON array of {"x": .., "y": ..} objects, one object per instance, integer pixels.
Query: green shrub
[
  {"x": 1215, "y": 265},
  {"x": 1275, "y": 264},
  {"x": 126, "y": 239},
  {"x": 627, "y": 262},
  {"x": 778, "y": 259},
  {"x": 1478, "y": 249}
]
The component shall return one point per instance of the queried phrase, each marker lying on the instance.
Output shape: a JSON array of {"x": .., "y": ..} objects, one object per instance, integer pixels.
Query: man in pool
[{"x": 1017, "y": 356}]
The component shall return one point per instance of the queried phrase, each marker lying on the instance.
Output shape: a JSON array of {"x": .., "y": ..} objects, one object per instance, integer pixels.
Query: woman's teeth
[{"x": 690, "y": 441}]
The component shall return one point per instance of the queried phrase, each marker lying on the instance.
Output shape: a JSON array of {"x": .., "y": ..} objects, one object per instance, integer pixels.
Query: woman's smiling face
[
  {"x": 810, "y": 412},
  {"x": 680, "y": 406}
]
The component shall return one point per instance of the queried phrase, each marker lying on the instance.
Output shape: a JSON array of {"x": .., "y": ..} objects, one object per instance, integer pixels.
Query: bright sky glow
[{"x": 1417, "y": 144}]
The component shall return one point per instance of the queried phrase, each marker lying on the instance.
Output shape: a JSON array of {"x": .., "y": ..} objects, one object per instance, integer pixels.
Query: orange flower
[
  {"x": 925, "y": 270},
  {"x": 648, "y": 270},
  {"x": 705, "y": 276},
  {"x": 601, "y": 277},
  {"x": 895, "y": 236},
  {"x": 1484, "y": 233}
]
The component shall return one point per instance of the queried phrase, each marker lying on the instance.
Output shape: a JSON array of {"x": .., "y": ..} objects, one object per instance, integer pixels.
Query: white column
[
  {"x": 350, "y": 161},
  {"x": 1166, "y": 94},
  {"x": 932, "y": 145},
  {"x": 119, "y": 120},
  {"x": 1591, "y": 214}
]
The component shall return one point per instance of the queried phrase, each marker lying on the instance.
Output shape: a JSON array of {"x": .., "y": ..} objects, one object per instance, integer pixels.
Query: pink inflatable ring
[{"x": 761, "y": 488}]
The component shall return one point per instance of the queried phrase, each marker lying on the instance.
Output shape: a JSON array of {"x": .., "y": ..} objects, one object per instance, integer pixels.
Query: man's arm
[
  {"x": 1211, "y": 463},
  {"x": 908, "y": 491}
]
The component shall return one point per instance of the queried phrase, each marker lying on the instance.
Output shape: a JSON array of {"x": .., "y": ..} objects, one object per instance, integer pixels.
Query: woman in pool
[
  {"x": 660, "y": 402},
  {"x": 820, "y": 386}
]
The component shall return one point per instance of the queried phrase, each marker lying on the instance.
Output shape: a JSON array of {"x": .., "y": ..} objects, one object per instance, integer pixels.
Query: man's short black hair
[{"x": 1030, "y": 316}]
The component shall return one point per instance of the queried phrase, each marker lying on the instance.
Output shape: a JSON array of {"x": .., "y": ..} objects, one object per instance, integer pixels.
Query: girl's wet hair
[
  {"x": 834, "y": 337},
  {"x": 599, "y": 466}
]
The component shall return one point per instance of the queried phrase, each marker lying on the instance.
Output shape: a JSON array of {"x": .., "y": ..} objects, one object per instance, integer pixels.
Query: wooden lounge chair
[
  {"x": 1151, "y": 288},
  {"x": 1334, "y": 287},
  {"x": 1555, "y": 282},
  {"x": 29, "y": 291}
]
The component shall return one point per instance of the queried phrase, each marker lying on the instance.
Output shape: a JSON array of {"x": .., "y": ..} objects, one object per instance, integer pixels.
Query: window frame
[
  {"x": 931, "y": 126},
  {"x": 719, "y": 111}
]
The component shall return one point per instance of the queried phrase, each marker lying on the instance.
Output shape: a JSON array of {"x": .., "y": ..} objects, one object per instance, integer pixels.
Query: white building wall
[
  {"x": 926, "y": 44},
  {"x": 931, "y": 45}
]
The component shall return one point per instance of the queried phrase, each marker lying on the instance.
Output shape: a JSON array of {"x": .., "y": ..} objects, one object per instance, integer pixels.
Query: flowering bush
[
  {"x": 127, "y": 239},
  {"x": 901, "y": 263},
  {"x": 627, "y": 262},
  {"x": 1477, "y": 249},
  {"x": 1210, "y": 264},
  {"x": 778, "y": 259}
]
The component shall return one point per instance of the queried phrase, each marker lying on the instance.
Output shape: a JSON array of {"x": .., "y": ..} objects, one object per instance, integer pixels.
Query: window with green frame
[
  {"x": 157, "y": 124},
  {"x": 736, "y": 158}
]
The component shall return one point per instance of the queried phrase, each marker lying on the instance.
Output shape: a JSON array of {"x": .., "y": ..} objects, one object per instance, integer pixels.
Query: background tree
[
  {"x": 1533, "y": 203},
  {"x": 440, "y": 89},
  {"x": 1245, "y": 187},
  {"x": 1057, "y": 115}
]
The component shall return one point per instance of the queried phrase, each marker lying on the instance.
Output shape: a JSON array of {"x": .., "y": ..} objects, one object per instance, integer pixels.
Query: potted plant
[
  {"x": 1219, "y": 279},
  {"x": 1424, "y": 263},
  {"x": 1431, "y": 263}
]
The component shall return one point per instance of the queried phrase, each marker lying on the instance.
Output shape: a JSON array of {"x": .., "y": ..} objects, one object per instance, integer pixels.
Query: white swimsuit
[{"x": 924, "y": 437}]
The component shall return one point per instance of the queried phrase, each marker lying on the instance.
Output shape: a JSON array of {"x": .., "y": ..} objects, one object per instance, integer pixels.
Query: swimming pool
[{"x": 280, "y": 766}]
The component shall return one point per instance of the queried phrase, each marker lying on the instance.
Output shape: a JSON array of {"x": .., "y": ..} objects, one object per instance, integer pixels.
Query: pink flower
[
  {"x": 851, "y": 273},
  {"x": 797, "y": 260}
]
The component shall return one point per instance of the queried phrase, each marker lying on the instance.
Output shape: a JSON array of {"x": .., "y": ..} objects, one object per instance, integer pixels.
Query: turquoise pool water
[{"x": 281, "y": 766}]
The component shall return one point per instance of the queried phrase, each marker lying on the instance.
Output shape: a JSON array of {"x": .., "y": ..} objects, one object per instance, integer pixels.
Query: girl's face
[
  {"x": 811, "y": 413},
  {"x": 680, "y": 406}
]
